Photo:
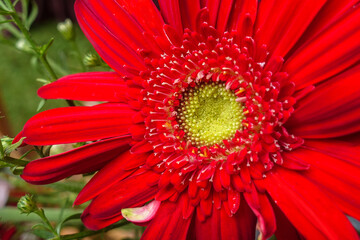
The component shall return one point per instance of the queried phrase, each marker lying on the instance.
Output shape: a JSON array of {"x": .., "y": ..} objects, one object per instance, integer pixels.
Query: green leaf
[
  {"x": 45, "y": 48},
  {"x": 71, "y": 217},
  {"x": 14, "y": 162},
  {"x": 4, "y": 7},
  {"x": 6, "y": 21},
  {"x": 17, "y": 170},
  {"x": 33, "y": 14},
  {"x": 2, "y": 153},
  {"x": 41, "y": 105},
  {"x": 15, "y": 2},
  {"x": 25, "y": 9},
  {"x": 12, "y": 147},
  {"x": 42, "y": 231},
  {"x": 3, "y": 12},
  {"x": 43, "y": 81}
]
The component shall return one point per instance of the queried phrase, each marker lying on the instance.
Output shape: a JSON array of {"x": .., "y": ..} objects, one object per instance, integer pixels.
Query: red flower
[{"x": 222, "y": 114}]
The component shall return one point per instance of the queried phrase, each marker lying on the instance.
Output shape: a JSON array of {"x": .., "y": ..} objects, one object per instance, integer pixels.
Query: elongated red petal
[
  {"x": 189, "y": 10},
  {"x": 168, "y": 224},
  {"x": 133, "y": 191},
  {"x": 337, "y": 177},
  {"x": 170, "y": 10},
  {"x": 242, "y": 11},
  {"x": 284, "y": 229},
  {"x": 307, "y": 208},
  {"x": 94, "y": 223},
  {"x": 330, "y": 52},
  {"x": 280, "y": 23},
  {"x": 84, "y": 159},
  {"x": 146, "y": 13},
  {"x": 345, "y": 150},
  {"x": 78, "y": 124},
  {"x": 94, "y": 86},
  {"x": 223, "y": 14},
  {"x": 330, "y": 13},
  {"x": 113, "y": 50},
  {"x": 262, "y": 208},
  {"x": 239, "y": 226},
  {"x": 111, "y": 174},
  {"x": 213, "y": 6},
  {"x": 335, "y": 112}
]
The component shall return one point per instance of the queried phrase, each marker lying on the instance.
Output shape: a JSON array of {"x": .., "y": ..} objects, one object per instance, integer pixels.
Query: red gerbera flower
[{"x": 221, "y": 114}]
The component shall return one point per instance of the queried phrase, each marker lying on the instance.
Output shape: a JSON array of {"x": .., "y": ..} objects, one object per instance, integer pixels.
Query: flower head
[
  {"x": 27, "y": 204},
  {"x": 221, "y": 114}
]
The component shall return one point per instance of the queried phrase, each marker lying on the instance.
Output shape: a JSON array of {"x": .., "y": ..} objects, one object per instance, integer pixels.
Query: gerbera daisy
[{"x": 219, "y": 116}]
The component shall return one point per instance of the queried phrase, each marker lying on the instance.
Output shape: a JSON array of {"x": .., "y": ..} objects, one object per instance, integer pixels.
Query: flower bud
[
  {"x": 6, "y": 141},
  {"x": 27, "y": 204},
  {"x": 92, "y": 60},
  {"x": 66, "y": 29},
  {"x": 23, "y": 45}
]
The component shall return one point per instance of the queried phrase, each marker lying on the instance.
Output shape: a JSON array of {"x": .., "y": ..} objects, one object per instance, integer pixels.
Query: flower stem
[
  {"x": 41, "y": 214},
  {"x": 91, "y": 233},
  {"x": 39, "y": 51},
  {"x": 41, "y": 55}
]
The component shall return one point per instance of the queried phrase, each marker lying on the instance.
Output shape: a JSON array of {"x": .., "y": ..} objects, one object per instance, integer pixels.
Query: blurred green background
[{"x": 19, "y": 72}]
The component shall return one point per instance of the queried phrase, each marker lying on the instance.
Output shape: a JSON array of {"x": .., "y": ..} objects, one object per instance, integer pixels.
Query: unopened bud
[
  {"x": 27, "y": 204},
  {"x": 92, "y": 60},
  {"x": 23, "y": 45},
  {"x": 66, "y": 29}
]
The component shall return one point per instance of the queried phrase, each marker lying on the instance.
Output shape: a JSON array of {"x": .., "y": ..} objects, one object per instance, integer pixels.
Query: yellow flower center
[{"x": 209, "y": 114}]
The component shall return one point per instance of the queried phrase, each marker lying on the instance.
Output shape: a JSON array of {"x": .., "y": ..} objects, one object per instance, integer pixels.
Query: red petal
[
  {"x": 170, "y": 10},
  {"x": 233, "y": 200},
  {"x": 112, "y": 173},
  {"x": 94, "y": 223},
  {"x": 332, "y": 51},
  {"x": 284, "y": 229},
  {"x": 219, "y": 226},
  {"x": 213, "y": 6},
  {"x": 239, "y": 226},
  {"x": 330, "y": 13},
  {"x": 112, "y": 49},
  {"x": 335, "y": 112},
  {"x": 189, "y": 10},
  {"x": 200, "y": 230},
  {"x": 307, "y": 208},
  {"x": 94, "y": 86},
  {"x": 84, "y": 159},
  {"x": 260, "y": 205},
  {"x": 281, "y": 23},
  {"x": 146, "y": 13},
  {"x": 168, "y": 224},
  {"x": 141, "y": 147},
  {"x": 242, "y": 11},
  {"x": 223, "y": 14},
  {"x": 338, "y": 178},
  {"x": 78, "y": 124},
  {"x": 348, "y": 151},
  {"x": 133, "y": 191}
]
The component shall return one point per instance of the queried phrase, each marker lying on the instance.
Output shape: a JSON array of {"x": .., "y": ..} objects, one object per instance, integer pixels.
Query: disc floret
[{"x": 209, "y": 114}]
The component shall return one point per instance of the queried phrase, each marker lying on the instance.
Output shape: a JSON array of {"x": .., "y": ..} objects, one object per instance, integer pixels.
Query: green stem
[
  {"x": 78, "y": 53},
  {"x": 41, "y": 55},
  {"x": 90, "y": 233},
  {"x": 41, "y": 214},
  {"x": 38, "y": 150},
  {"x": 33, "y": 44}
]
